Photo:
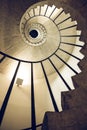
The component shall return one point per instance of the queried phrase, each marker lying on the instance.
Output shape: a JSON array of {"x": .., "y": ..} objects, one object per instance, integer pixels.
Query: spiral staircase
[{"x": 41, "y": 47}]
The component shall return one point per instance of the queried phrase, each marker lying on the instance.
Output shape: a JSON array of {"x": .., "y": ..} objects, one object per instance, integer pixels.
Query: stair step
[
  {"x": 27, "y": 16},
  {"x": 43, "y": 9},
  {"x": 50, "y": 11},
  {"x": 62, "y": 17},
  {"x": 70, "y": 31},
  {"x": 67, "y": 24},
  {"x": 64, "y": 20},
  {"x": 61, "y": 79},
  {"x": 56, "y": 13},
  {"x": 31, "y": 12},
  {"x": 37, "y": 10}
]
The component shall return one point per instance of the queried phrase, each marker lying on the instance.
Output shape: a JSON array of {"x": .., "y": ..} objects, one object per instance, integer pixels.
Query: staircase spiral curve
[{"x": 48, "y": 50}]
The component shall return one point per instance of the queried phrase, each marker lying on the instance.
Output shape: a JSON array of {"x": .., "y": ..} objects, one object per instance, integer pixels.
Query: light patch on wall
[
  {"x": 19, "y": 81},
  {"x": 24, "y": 73}
]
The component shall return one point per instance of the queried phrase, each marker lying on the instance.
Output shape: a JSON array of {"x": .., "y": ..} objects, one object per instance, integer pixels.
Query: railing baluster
[
  {"x": 40, "y": 10},
  {"x": 60, "y": 75},
  {"x": 33, "y": 11},
  {"x": 46, "y": 11},
  {"x": 68, "y": 27},
  {"x": 71, "y": 44},
  {"x": 28, "y": 14},
  {"x": 58, "y": 15},
  {"x": 52, "y": 12},
  {"x": 5, "y": 102},
  {"x": 69, "y": 54},
  {"x": 66, "y": 64},
  {"x": 33, "y": 116},
  {"x": 64, "y": 20},
  {"x": 2, "y": 58},
  {"x": 49, "y": 88},
  {"x": 70, "y": 35}
]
